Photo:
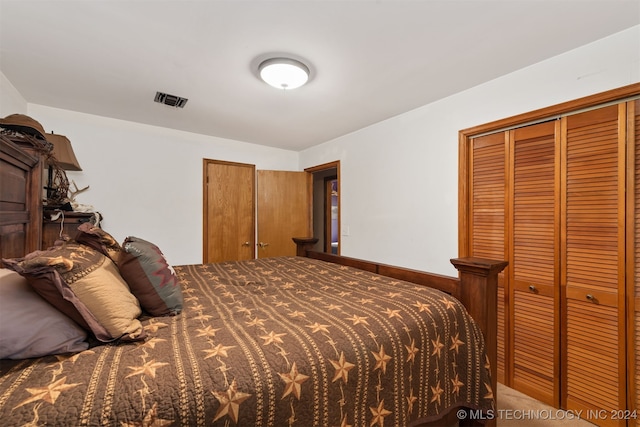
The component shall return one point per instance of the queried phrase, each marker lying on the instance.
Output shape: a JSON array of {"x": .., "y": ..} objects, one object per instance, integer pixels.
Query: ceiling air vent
[{"x": 170, "y": 100}]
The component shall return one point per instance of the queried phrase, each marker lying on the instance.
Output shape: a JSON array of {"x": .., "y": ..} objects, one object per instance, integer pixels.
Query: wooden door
[
  {"x": 284, "y": 211},
  {"x": 487, "y": 220},
  {"x": 534, "y": 276},
  {"x": 229, "y": 217},
  {"x": 593, "y": 261}
]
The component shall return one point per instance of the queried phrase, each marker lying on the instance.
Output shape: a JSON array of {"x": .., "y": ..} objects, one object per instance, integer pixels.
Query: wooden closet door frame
[
  {"x": 633, "y": 296},
  {"x": 465, "y": 136}
]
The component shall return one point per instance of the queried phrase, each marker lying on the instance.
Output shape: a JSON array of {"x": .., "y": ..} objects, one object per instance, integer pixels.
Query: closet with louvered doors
[{"x": 566, "y": 216}]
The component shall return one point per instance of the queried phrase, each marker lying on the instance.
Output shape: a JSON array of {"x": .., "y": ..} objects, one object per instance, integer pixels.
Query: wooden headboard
[{"x": 21, "y": 187}]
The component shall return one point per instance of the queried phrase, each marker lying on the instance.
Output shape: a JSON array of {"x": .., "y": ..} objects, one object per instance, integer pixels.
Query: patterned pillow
[
  {"x": 98, "y": 239},
  {"x": 85, "y": 285},
  {"x": 150, "y": 278},
  {"x": 30, "y": 326}
]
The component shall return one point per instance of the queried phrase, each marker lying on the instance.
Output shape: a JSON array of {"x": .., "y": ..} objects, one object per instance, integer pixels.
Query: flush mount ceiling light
[{"x": 283, "y": 73}]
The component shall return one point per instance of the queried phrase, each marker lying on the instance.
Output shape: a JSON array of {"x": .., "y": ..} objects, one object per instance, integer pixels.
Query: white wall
[
  {"x": 398, "y": 178},
  {"x": 10, "y": 99},
  {"x": 146, "y": 180},
  {"x": 399, "y": 186}
]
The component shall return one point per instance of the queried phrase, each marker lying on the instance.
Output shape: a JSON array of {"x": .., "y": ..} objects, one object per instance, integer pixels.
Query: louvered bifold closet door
[
  {"x": 488, "y": 157},
  {"x": 634, "y": 251},
  {"x": 593, "y": 269},
  {"x": 534, "y": 238}
]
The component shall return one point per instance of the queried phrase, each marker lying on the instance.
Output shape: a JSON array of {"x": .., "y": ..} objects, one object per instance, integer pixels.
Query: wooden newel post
[
  {"x": 479, "y": 293},
  {"x": 303, "y": 244}
]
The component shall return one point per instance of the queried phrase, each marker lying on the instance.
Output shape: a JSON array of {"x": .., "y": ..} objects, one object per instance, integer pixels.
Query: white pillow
[{"x": 30, "y": 326}]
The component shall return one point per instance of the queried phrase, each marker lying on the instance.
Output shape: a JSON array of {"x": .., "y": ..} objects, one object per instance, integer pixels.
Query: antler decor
[
  {"x": 78, "y": 207},
  {"x": 74, "y": 193}
]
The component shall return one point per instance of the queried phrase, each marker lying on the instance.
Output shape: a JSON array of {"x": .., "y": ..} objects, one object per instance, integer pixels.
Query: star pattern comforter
[{"x": 270, "y": 342}]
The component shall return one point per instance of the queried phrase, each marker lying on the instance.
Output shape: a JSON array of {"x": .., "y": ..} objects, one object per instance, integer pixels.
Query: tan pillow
[{"x": 75, "y": 277}]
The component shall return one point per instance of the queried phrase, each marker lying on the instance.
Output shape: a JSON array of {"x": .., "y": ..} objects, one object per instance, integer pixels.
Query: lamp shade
[
  {"x": 284, "y": 73},
  {"x": 63, "y": 152}
]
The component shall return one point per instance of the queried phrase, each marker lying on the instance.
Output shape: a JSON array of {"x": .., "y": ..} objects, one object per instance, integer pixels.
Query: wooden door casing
[
  {"x": 321, "y": 214},
  {"x": 633, "y": 258}
]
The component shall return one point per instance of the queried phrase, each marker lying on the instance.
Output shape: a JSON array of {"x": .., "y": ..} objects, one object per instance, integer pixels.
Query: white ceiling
[{"x": 369, "y": 59}]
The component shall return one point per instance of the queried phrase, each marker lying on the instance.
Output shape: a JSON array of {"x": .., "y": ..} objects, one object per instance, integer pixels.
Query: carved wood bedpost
[{"x": 479, "y": 294}]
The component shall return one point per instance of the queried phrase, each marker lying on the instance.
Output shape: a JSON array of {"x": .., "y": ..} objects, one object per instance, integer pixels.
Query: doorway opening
[
  {"x": 331, "y": 236},
  {"x": 326, "y": 207}
]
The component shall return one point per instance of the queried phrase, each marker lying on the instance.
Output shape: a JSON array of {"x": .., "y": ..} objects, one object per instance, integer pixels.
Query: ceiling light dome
[{"x": 284, "y": 73}]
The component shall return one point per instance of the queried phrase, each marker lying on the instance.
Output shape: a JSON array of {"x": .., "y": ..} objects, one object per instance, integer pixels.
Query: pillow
[
  {"x": 85, "y": 285},
  {"x": 30, "y": 326},
  {"x": 150, "y": 278},
  {"x": 98, "y": 239}
]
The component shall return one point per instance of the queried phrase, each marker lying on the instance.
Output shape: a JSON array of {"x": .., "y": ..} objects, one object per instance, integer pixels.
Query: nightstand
[{"x": 67, "y": 223}]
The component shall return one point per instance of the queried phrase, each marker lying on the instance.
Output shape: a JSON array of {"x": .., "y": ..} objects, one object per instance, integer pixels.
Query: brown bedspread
[{"x": 269, "y": 342}]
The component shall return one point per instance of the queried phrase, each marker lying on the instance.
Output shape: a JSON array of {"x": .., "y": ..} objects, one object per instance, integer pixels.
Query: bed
[{"x": 311, "y": 340}]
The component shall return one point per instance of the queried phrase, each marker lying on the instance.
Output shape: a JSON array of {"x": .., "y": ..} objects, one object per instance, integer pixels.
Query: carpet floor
[{"x": 519, "y": 410}]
